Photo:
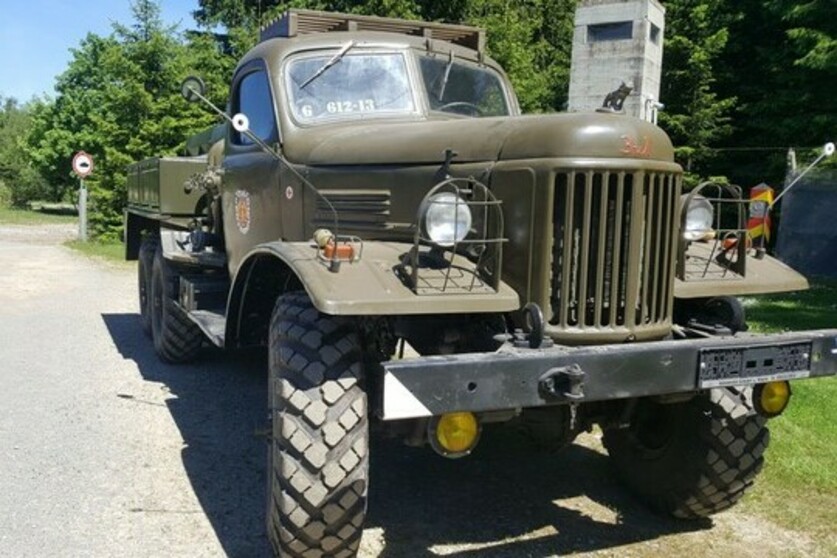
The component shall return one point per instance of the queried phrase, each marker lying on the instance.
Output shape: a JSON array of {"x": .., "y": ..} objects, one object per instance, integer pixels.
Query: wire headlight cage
[
  {"x": 458, "y": 242},
  {"x": 720, "y": 252}
]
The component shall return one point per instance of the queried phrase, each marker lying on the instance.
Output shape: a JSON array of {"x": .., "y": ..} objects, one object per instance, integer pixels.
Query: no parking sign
[{"x": 82, "y": 164}]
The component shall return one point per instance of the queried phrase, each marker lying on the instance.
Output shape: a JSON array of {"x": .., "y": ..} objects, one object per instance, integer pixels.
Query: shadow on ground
[{"x": 499, "y": 502}]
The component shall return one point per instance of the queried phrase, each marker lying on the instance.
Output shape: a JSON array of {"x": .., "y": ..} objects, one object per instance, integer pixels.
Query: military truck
[{"x": 374, "y": 188}]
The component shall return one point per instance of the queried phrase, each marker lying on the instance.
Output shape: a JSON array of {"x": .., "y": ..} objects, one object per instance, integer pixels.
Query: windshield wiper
[
  {"x": 331, "y": 62},
  {"x": 441, "y": 94}
]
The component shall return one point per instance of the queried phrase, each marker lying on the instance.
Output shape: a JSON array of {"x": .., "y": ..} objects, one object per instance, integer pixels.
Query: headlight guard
[
  {"x": 713, "y": 233},
  {"x": 458, "y": 240}
]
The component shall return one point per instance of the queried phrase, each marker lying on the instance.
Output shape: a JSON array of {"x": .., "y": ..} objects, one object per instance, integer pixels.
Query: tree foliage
[
  {"x": 781, "y": 64},
  {"x": 119, "y": 100},
  {"x": 20, "y": 182},
  {"x": 737, "y": 73},
  {"x": 696, "y": 116}
]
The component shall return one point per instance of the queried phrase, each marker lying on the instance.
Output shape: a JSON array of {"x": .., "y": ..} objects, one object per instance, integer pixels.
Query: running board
[
  {"x": 213, "y": 325},
  {"x": 203, "y": 298}
]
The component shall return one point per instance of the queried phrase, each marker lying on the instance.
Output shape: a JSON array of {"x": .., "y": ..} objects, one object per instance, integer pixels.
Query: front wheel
[
  {"x": 691, "y": 459},
  {"x": 318, "y": 459},
  {"x": 177, "y": 339}
]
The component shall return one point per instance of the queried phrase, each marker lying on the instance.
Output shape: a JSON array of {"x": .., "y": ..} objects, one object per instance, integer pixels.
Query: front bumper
[{"x": 514, "y": 378}]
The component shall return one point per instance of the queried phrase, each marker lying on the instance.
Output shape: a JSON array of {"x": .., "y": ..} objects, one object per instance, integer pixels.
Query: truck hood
[{"x": 576, "y": 135}]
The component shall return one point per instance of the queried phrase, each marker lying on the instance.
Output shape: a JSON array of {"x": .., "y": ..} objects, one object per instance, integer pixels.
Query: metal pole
[{"x": 82, "y": 212}]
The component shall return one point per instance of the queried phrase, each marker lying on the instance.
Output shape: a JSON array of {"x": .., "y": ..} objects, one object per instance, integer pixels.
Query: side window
[{"x": 253, "y": 99}]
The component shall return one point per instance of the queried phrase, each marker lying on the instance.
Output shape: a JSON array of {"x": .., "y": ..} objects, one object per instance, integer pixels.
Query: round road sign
[{"x": 82, "y": 164}]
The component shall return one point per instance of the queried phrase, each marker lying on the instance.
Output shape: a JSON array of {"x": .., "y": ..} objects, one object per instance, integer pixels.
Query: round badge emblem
[
  {"x": 289, "y": 192},
  {"x": 242, "y": 210}
]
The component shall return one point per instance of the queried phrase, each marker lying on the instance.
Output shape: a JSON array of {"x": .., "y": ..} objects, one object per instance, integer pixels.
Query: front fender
[
  {"x": 370, "y": 286},
  {"x": 765, "y": 275}
]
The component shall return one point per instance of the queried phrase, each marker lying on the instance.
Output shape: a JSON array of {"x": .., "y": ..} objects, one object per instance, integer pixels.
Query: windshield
[
  {"x": 461, "y": 88},
  {"x": 357, "y": 85}
]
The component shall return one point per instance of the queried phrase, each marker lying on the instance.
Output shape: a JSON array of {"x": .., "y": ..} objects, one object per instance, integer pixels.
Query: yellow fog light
[
  {"x": 771, "y": 399},
  {"x": 454, "y": 434}
]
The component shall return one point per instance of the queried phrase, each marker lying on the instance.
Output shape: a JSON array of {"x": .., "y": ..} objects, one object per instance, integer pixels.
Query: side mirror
[{"x": 192, "y": 89}]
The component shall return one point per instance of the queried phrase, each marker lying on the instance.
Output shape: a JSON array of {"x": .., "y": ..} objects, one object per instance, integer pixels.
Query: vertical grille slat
[
  {"x": 604, "y": 236},
  {"x": 664, "y": 216},
  {"x": 617, "y": 249},
  {"x": 586, "y": 233},
  {"x": 567, "y": 268},
  {"x": 673, "y": 228},
  {"x": 633, "y": 253},
  {"x": 647, "y": 244},
  {"x": 656, "y": 205},
  {"x": 613, "y": 245}
]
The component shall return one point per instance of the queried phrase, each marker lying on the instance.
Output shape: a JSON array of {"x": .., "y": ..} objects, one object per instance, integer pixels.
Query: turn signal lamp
[
  {"x": 771, "y": 399},
  {"x": 454, "y": 434}
]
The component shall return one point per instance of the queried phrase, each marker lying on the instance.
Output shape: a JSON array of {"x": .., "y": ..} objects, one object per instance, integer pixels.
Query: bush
[
  {"x": 5, "y": 195},
  {"x": 27, "y": 186}
]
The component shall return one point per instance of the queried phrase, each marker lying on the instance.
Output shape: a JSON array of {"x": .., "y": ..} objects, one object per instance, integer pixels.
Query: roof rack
[{"x": 296, "y": 22}]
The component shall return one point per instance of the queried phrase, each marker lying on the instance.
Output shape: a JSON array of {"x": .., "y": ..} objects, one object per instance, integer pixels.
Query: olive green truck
[{"x": 373, "y": 190}]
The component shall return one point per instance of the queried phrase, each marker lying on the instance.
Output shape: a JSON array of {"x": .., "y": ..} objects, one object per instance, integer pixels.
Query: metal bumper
[{"x": 514, "y": 378}]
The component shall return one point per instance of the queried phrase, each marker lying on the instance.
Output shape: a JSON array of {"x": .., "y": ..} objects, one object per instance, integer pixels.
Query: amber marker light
[
  {"x": 771, "y": 399},
  {"x": 454, "y": 434}
]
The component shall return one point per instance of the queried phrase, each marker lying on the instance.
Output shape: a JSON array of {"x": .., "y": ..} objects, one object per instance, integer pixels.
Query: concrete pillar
[{"x": 617, "y": 41}]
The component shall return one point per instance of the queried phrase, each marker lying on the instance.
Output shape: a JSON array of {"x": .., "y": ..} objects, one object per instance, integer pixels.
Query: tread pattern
[
  {"x": 319, "y": 452},
  {"x": 718, "y": 453},
  {"x": 177, "y": 339},
  {"x": 145, "y": 263},
  {"x": 735, "y": 442}
]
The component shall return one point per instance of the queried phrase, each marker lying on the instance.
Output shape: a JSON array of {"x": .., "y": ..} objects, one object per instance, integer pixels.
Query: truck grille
[{"x": 613, "y": 251}]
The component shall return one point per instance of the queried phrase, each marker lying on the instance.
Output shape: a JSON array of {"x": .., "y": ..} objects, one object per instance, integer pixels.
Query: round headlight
[
  {"x": 699, "y": 217},
  {"x": 447, "y": 219}
]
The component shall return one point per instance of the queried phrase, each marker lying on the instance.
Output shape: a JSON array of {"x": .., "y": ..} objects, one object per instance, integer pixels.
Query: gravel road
[{"x": 107, "y": 452}]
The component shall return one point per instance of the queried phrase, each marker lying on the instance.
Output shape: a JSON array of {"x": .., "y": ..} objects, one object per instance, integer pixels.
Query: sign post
[{"x": 82, "y": 166}]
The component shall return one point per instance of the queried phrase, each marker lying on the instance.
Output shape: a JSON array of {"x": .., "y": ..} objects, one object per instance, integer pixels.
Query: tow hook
[
  {"x": 535, "y": 339},
  {"x": 564, "y": 383}
]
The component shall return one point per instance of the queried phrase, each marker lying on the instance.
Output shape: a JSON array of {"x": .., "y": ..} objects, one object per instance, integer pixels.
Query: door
[{"x": 252, "y": 194}]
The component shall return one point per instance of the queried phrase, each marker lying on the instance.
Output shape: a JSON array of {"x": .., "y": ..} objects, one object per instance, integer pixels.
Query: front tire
[
  {"x": 691, "y": 459},
  {"x": 177, "y": 339},
  {"x": 318, "y": 460}
]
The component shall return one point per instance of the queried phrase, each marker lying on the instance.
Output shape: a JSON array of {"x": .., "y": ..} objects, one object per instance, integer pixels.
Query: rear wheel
[
  {"x": 145, "y": 263},
  {"x": 318, "y": 459},
  {"x": 691, "y": 459},
  {"x": 177, "y": 339}
]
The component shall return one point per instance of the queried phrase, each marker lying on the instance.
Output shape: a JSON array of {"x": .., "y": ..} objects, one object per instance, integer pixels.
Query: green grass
[
  {"x": 26, "y": 217},
  {"x": 812, "y": 309},
  {"x": 798, "y": 488},
  {"x": 110, "y": 251}
]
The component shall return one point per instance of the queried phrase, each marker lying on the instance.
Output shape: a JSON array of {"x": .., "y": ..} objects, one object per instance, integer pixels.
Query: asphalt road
[{"x": 105, "y": 451}]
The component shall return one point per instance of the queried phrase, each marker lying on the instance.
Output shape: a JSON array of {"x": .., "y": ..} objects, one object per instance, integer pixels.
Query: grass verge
[
  {"x": 113, "y": 252},
  {"x": 798, "y": 488},
  {"x": 26, "y": 217}
]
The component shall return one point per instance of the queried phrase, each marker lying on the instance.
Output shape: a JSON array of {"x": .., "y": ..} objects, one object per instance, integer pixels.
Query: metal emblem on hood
[
  {"x": 242, "y": 210},
  {"x": 635, "y": 148}
]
